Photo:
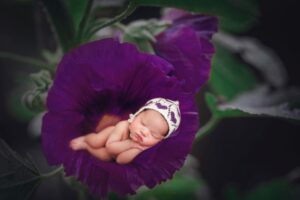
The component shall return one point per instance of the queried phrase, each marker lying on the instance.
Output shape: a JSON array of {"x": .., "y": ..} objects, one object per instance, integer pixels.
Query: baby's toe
[{"x": 75, "y": 144}]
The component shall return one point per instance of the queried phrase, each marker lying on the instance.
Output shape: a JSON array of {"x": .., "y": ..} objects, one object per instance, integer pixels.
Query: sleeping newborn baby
[{"x": 155, "y": 121}]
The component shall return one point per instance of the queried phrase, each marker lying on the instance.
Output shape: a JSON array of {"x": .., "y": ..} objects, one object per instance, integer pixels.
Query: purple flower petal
[
  {"x": 204, "y": 25},
  {"x": 186, "y": 44},
  {"x": 99, "y": 84}
]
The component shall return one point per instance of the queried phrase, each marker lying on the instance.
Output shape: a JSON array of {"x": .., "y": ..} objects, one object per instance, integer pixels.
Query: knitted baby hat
[{"x": 167, "y": 108}]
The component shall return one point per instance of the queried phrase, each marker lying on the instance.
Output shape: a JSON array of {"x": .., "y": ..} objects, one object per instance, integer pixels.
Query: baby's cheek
[{"x": 131, "y": 127}]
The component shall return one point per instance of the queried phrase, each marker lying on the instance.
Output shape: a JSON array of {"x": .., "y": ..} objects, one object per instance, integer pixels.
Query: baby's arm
[
  {"x": 92, "y": 140},
  {"x": 118, "y": 147},
  {"x": 118, "y": 140},
  {"x": 128, "y": 155},
  {"x": 107, "y": 135},
  {"x": 119, "y": 132},
  {"x": 100, "y": 153}
]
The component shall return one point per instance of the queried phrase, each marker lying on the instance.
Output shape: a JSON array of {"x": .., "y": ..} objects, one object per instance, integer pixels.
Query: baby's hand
[{"x": 138, "y": 146}]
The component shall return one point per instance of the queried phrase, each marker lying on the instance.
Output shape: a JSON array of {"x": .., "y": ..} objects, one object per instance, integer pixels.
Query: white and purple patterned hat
[{"x": 167, "y": 108}]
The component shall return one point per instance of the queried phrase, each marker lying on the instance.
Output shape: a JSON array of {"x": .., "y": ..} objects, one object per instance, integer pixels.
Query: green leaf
[
  {"x": 230, "y": 77},
  {"x": 217, "y": 115},
  {"x": 235, "y": 16},
  {"x": 186, "y": 184},
  {"x": 76, "y": 9},
  {"x": 61, "y": 22},
  {"x": 178, "y": 188},
  {"x": 213, "y": 105},
  {"x": 257, "y": 55},
  {"x": 19, "y": 176},
  {"x": 262, "y": 101}
]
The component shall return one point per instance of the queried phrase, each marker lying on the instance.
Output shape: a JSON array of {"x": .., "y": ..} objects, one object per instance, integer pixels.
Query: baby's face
[{"x": 148, "y": 128}]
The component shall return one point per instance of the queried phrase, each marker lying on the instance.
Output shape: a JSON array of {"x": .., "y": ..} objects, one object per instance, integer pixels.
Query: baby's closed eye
[{"x": 156, "y": 135}]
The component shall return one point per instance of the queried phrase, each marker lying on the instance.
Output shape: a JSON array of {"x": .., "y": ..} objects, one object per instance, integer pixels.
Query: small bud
[
  {"x": 34, "y": 99},
  {"x": 142, "y": 33}
]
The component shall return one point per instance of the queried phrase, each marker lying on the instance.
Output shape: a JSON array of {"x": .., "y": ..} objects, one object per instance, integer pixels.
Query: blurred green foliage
[
  {"x": 231, "y": 80},
  {"x": 61, "y": 21},
  {"x": 235, "y": 16},
  {"x": 230, "y": 77},
  {"x": 142, "y": 33},
  {"x": 179, "y": 188},
  {"x": 280, "y": 189},
  {"x": 19, "y": 176},
  {"x": 34, "y": 99},
  {"x": 76, "y": 9}
]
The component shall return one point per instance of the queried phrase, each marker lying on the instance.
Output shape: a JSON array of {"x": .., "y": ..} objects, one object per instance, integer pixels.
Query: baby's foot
[{"x": 78, "y": 143}]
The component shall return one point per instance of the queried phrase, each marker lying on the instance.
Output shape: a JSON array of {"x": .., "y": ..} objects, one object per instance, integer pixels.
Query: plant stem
[
  {"x": 207, "y": 128},
  {"x": 53, "y": 173},
  {"x": 130, "y": 8},
  {"x": 83, "y": 22},
  {"x": 34, "y": 62}
]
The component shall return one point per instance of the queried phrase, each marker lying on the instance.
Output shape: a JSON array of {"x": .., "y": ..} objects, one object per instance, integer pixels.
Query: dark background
[{"x": 239, "y": 152}]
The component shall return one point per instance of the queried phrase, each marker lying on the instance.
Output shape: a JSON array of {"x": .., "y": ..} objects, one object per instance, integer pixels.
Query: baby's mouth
[{"x": 136, "y": 137}]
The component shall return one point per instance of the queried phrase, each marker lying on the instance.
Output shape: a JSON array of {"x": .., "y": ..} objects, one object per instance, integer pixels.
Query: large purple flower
[
  {"x": 99, "y": 84},
  {"x": 186, "y": 44}
]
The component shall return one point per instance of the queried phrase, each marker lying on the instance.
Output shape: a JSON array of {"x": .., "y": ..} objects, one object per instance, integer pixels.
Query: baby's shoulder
[{"x": 123, "y": 124}]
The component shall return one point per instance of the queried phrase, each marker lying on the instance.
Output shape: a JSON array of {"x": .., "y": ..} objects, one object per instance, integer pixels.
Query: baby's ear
[
  {"x": 131, "y": 117},
  {"x": 166, "y": 133}
]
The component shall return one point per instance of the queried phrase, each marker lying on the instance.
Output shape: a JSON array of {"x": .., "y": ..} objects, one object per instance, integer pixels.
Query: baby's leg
[
  {"x": 78, "y": 143},
  {"x": 98, "y": 140},
  {"x": 93, "y": 140},
  {"x": 101, "y": 153}
]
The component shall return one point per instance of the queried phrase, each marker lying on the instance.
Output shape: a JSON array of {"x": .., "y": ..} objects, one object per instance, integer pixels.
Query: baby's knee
[
  {"x": 90, "y": 139},
  {"x": 104, "y": 155},
  {"x": 120, "y": 160},
  {"x": 110, "y": 148}
]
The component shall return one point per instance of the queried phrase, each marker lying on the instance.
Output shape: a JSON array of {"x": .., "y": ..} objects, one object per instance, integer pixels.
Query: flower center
[{"x": 107, "y": 120}]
